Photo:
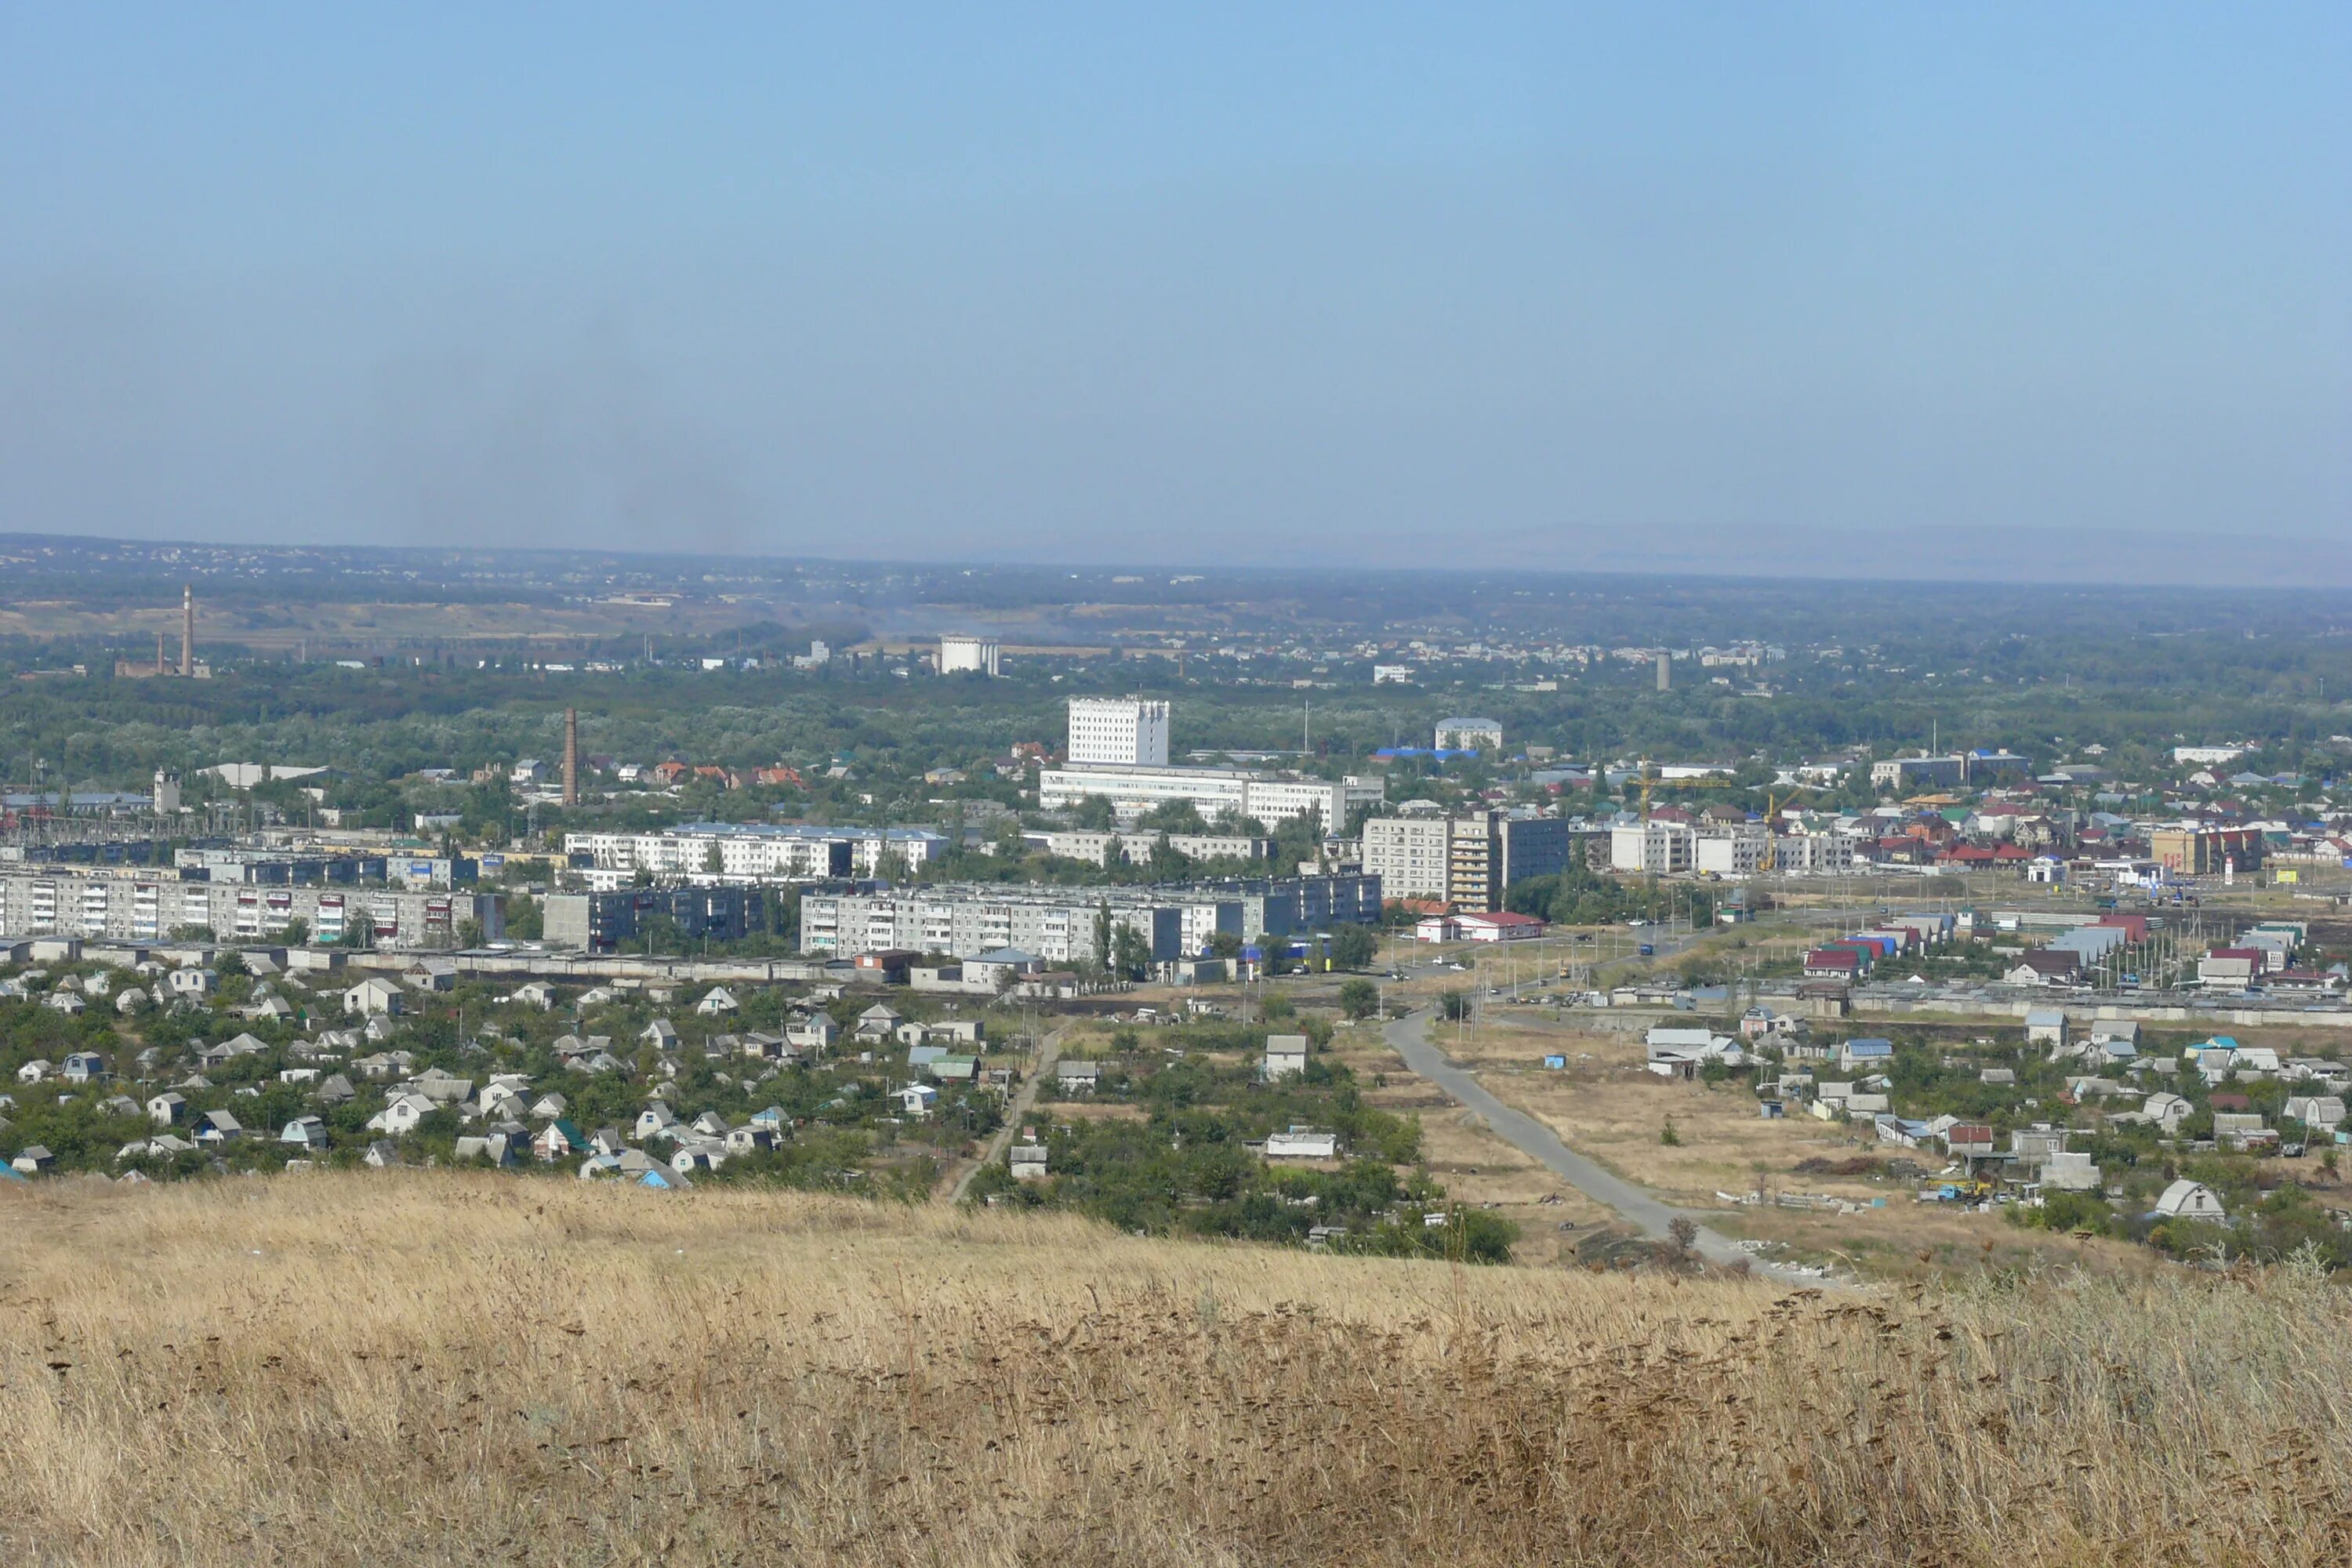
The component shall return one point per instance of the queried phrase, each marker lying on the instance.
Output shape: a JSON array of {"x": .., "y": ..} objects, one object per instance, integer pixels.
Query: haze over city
[{"x": 1835, "y": 289}]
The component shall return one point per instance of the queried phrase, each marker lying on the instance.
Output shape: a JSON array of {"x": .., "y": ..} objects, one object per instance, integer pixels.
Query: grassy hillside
[{"x": 444, "y": 1368}]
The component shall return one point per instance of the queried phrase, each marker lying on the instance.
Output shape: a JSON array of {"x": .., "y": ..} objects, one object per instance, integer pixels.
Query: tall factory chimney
[
  {"x": 188, "y": 628},
  {"x": 572, "y": 756}
]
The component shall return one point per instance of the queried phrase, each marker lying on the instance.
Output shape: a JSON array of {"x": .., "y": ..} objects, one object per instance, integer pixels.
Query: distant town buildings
[
  {"x": 1107, "y": 732},
  {"x": 1469, "y": 735}
]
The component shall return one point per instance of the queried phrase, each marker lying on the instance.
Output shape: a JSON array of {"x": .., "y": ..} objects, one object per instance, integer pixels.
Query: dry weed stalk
[{"x": 446, "y": 1368}]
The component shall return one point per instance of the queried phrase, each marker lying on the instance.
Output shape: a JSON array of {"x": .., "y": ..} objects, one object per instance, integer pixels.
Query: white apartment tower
[{"x": 1128, "y": 731}]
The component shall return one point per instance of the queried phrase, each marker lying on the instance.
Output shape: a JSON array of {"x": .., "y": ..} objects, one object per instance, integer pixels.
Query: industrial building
[
  {"x": 1919, "y": 773},
  {"x": 1118, "y": 751},
  {"x": 734, "y": 852},
  {"x": 141, "y": 904},
  {"x": 1269, "y": 797},
  {"x": 974, "y": 656},
  {"x": 1060, "y": 924}
]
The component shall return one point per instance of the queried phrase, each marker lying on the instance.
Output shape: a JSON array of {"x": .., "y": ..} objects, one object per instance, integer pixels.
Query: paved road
[
  {"x": 1047, "y": 1056},
  {"x": 1408, "y": 1037}
]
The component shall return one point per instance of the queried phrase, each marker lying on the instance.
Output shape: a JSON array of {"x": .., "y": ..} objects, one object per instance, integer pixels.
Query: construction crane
[
  {"x": 1650, "y": 777},
  {"x": 1773, "y": 805}
]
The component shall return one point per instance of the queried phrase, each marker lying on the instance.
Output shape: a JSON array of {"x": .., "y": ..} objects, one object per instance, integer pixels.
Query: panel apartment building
[
  {"x": 1725, "y": 849},
  {"x": 1467, "y": 862},
  {"x": 752, "y": 853},
  {"x": 1058, "y": 924},
  {"x": 602, "y": 921},
  {"x": 135, "y": 904}
]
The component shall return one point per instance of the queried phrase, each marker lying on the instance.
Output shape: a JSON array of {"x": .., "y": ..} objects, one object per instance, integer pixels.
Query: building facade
[
  {"x": 131, "y": 904},
  {"x": 1919, "y": 773},
  {"x": 1652, "y": 848},
  {"x": 752, "y": 853},
  {"x": 1063, "y": 925},
  {"x": 2190, "y": 850},
  {"x": 1270, "y": 798},
  {"x": 1137, "y": 848},
  {"x": 602, "y": 922},
  {"x": 1469, "y": 735},
  {"x": 1128, "y": 732},
  {"x": 1468, "y": 862}
]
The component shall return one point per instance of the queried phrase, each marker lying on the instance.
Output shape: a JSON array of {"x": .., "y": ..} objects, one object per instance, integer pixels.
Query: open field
[
  {"x": 437, "y": 1368},
  {"x": 1605, "y": 1105}
]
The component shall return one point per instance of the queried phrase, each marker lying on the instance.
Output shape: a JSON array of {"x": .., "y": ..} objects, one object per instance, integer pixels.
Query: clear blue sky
[{"x": 1252, "y": 282}]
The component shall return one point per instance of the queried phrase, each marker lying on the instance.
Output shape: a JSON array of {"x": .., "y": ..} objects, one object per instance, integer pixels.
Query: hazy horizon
[{"x": 1827, "y": 291}]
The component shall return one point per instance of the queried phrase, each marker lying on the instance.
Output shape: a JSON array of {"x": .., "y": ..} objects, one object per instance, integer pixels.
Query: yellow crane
[
  {"x": 1773, "y": 803},
  {"x": 1650, "y": 777}
]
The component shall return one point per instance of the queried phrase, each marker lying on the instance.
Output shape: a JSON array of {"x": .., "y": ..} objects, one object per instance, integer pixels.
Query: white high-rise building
[
  {"x": 957, "y": 654},
  {"x": 1127, "y": 731}
]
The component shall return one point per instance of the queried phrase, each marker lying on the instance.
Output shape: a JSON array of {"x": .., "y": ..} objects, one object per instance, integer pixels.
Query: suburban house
[
  {"x": 2188, "y": 1200},
  {"x": 1866, "y": 1055},
  {"x": 1286, "y": 1056},
  {"x": 373, "y": 997},
  {"x": 1302, "y": 1143},
  {"x": 215, "y": 1127}
]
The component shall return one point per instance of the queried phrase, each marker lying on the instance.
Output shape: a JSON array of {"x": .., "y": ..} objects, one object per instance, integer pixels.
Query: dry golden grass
[
  {"x": 443, "y": 1368},
  {"x": 1605, "y": 1105}
]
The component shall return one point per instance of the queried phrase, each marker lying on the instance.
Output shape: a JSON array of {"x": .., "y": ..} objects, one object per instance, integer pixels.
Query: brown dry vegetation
[
  {"x": 445, "y": 1368},
  {"x": 1605, "y": 1105}
]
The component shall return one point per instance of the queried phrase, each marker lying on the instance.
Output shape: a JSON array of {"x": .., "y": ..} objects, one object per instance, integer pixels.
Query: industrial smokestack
[
  {"x": 572, "y": 756},
  {"x": 188, "y": 628}
]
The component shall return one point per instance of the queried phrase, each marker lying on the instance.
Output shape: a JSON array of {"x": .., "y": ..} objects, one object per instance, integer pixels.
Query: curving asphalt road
[{"x": 1408, "y": 1037}]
